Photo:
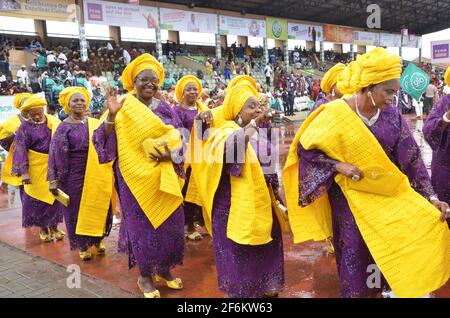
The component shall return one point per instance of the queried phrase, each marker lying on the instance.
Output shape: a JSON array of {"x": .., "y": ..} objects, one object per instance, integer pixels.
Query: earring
[
  {"x": 333, "y": 93},
  {"x": 369, "y": 94},
  {"x": 240, "y": 121}
]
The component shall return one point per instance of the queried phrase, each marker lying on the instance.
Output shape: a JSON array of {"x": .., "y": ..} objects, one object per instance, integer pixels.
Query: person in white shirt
[
  {"x": 62, "y": 59},
  {"x": 51, "y": 61},
  {"x": 126, "y": 57},
  {"x": 268, "y": 73},
  {"x": 22, "y": 76}
]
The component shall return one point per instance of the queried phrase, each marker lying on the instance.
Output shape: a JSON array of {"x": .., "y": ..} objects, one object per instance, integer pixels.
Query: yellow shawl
[
  {"x": 402, "y": 230},
  {"x": 156, "y": 189},
  {"x": 7, "y": 128},
  {"x": 97, "y": 191},
  {"x": 250, "y": 219},
  {"x": 38, "y": 163}
]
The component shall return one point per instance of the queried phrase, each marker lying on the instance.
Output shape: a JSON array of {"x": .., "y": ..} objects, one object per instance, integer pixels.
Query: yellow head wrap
[
  {"x": 34, "y": 101},
  {"x": 374, "y": 67},
  {"x": 139, "y": 64},
  {"x": 67, "y": 93},
  {"x": 240, "y": 79},
  {"x": 447, "y": 76},
  {"x": 236, "y": 98},
  {"x": 181, "y": 85},
  {"x": 331, "y": 77},
  {"x": 20, "y": 98}
]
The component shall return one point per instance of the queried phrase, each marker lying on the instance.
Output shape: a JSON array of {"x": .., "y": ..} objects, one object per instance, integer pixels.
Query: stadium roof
[{"x": 419, "y": 16}]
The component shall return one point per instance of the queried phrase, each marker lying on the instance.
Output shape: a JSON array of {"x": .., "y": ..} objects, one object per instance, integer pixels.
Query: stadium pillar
[
  {"x": 174, "y": 36},
  {"x": 352, "y": 51},
  {"x": 362, "y": 49},
  {"x": 286, "y": 54},
  {"x": 114, "y": 34},
  {"x": 158, "y": 36},
  {"x": 81, "y": 31},
  {"x": 420, "y": 55},
  {"x": 337, "y": 47},
  {"x": 322, "y": 52},
  {"x": 219, "y": 40},
  {"x": 41, "y": 30},
  {"x": 266, "y": 51}
]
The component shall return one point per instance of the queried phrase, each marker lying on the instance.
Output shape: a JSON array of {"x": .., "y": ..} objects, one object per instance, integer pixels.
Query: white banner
[
  {"x": 7, "y": 108},
  {"x": 305, "y": 32},
  {"x": 412, "y": 40},
  {"x": 188, "y": 21},
  {"x": 390, "y": 40},
  {"x": 366, "y": 38},
  {"x": 242, "y": 27},
  {"x": 120, "y": 14}
]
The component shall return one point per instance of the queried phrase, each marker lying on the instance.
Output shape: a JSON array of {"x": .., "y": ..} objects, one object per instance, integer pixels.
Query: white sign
[
  {"x": 390, "y": 40},
  {"x": 305, "y": 32},
  {"x": 243, "y": 27},
  {"x": 120, "y": 14},
  {"x": 440, "y": 52},
  {"x": 188, "y": 21},
  {"x": 7, "y": 108},
  {"x": 412, "y": 41},
  {"x": 366, "y": 38}
]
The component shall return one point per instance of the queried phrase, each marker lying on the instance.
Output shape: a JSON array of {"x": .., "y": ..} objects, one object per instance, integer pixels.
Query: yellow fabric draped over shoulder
[
  {"x": 250, "y": 219},
  {"x": 97, "y": 191},
  {"x": 7, "y": 128},
  {"x": 156, "y": 189},
  {"x": 402, "y": 230},
  {"x": 38, "y": 163}
]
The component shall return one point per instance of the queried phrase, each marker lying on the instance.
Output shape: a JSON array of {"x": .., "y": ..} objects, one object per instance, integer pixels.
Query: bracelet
[
  {"x": 445, "y": 118},
  {"x": 433, "y": 198},
  {"x": 108, "y": 122}
]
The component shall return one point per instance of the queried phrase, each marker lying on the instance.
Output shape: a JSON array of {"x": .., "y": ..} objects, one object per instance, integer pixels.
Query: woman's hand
[
  {"x": 26, "y": 178},
  {"x": 167, "y": 156},
  {"x": 265, "y": 117},
  {"x": 54, "y": 187},
  {"x": 443, "y": 207},
  {"x": 206, "y": 117},
  {"x": 349, "y": 171},
  {"x": 111, "y": 102}
]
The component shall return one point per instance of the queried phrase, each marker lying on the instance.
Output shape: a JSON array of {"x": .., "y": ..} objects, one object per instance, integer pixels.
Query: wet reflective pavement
[{"x": 310, "y": 270}]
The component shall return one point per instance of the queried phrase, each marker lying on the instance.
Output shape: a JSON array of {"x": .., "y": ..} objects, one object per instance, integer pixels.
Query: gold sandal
[
  {"x": 153, "y": 294},
  {"x": 194, "y": 236},
  {"x": 172, "y": 284}
]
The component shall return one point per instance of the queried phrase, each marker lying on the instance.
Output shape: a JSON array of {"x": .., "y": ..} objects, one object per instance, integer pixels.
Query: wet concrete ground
[{"x": 310, "y": 270}]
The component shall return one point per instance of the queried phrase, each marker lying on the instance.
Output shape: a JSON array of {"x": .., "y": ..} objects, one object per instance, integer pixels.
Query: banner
[
  {"x": 440, "y": 52},
  {"x": 414, "y": 81},
  {"x": 412, "y": 40},
  {"x": 242, "y": 27},
  {"x": 188, "y": 21},
  {"x": 366, "y": 38},
  {"x": 120, "y": 14},
  {"x": 55, "y": 10},
  {"x": 277, "y": 29},
  {"x": 337, "y": 34},
  {"x": 7, "y": 108},
  {"x": 390, "y": 40},
  {"x": 305, "y": 32}
]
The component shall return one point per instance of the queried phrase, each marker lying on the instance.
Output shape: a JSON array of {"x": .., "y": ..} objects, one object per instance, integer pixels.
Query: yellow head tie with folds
[
  {"x": 19, "y": 99},
  {"x": 331, "y": 77},
  {"x": 67, "y": 93},
  {"x": 181, "y": 85},
  {"x": 240, "y": 79},
  {"x": 447, "y": 76},
  {"x": 32, "y": 102},
  {"x": 236, "y": 99},
  {"x": 141, "y": 63}
]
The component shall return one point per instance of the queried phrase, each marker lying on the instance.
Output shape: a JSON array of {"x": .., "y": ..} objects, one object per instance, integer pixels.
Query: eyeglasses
[{"x": 147, "y": 80}]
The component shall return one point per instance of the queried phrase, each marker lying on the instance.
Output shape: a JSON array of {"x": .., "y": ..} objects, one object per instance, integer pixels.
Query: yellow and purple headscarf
[
  {"x": 181, "y": 85},
  {"x": 67, "y": 93},
  {"x": 331, "y": 77},
  {"x": 19, "y": 99},
  {"x": 139, "y": 64},
  {"x": 33, "y": 102}
]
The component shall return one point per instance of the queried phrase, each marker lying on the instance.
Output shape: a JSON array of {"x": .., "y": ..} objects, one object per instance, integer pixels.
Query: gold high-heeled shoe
[
  {"x": 59, "y": 235},
  {"x": 172, "y": 284},
  {"x": 100, "y": 248},
  {"x": 85, "y": 255},
  {"x": 153, "y": 294},
  {"x": 45, "y": 237}
]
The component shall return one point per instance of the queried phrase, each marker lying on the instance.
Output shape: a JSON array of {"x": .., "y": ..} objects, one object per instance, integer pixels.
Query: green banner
[
  {"x": 277, "y": 29},
  {"x": 414, "y": 81}
]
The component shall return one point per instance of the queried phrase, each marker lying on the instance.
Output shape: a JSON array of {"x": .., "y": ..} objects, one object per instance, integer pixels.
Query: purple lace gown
[
  {"x": 244, "y": 270},
  {"x": 192, "y": 212},
  {"x": 316, "y": 177},
  {"x": 155, "y": 251},
  {"x": 31, "y": 136},
  {"x": 437, "y": 134},
  {"x": 67, "y": 164},
  {"x": 319, "y": 103}
]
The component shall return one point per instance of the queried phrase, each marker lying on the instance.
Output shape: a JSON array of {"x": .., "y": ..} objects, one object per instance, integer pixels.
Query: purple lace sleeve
[
  {"x": 234, "y": 154},
  {"x": 316, "y": 174},
  {"x": 411, "y": 163},
  {"x": 58, "y": 156},
  {"x": 106, "y": 147},
  {"x": 435, "y": 130},
  {"x": 20, "y": 156}
]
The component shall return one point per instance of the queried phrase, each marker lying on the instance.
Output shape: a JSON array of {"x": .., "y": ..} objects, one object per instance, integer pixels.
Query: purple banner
[
  {"x": 441, "y": 51},
  {"x": 95, "y": 11}
]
